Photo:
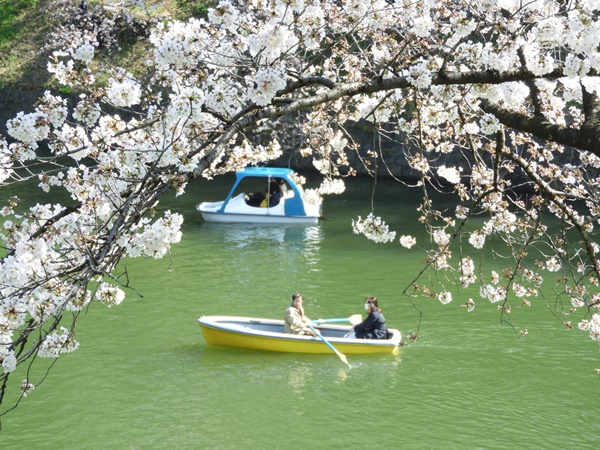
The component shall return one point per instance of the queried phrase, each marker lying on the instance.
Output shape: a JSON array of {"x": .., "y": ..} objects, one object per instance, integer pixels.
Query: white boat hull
[
  {"x": 248, "y": 218},
  {"x": 238, "y": 211}
]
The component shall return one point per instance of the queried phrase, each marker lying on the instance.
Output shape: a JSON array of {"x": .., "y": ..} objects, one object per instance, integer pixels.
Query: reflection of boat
[
  {"x": 302, "y": 236},
  {"x": 268, "y": 334},
  {"x": 292, "y": 207}
]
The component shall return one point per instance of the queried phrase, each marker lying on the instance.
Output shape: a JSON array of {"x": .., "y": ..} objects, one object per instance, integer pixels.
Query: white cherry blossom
[{"x": 407, "y": 241}]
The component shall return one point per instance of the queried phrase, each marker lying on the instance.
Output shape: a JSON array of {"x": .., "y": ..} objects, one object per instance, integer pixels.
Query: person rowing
[
  {"x": 373, "y": 327},
  {"x": 295, "y": 320}
]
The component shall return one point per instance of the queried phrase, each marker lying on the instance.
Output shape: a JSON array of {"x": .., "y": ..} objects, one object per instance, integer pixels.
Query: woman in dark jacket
[{"x": 373, "y": 327}]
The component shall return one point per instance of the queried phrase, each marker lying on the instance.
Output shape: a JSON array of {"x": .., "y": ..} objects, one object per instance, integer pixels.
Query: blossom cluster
[
  {"x": 58, "y": 343},
  {"x": 311, "y": 196},
  {"x": 267, "y": 82},
  {"x": 407, "y": 241},
  {"x": 123, "y": 90},
  {"x": 156, "y": 238},
  {"x": 373, "y": 228},
  {"x": 592, "y": 326},
  {"x": 336, "y": 186}
]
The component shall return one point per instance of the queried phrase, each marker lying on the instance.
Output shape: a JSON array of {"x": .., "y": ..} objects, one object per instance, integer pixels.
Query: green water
[{"x": 145, "y": 378}]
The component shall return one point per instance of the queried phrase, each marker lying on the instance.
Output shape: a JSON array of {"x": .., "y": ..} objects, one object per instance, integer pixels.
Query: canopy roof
[{"x": 275, "y": 172}]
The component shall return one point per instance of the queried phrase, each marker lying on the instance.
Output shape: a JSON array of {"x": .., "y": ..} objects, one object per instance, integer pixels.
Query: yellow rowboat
[{"x": 268, "y": 335}]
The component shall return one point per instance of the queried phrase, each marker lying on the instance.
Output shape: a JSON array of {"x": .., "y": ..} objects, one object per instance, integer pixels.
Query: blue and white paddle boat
[{"x": 279, "y": 200}]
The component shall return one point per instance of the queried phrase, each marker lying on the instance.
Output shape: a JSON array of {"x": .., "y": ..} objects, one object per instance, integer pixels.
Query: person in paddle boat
[
  {"x": 373, "y": 327},
  {"x": 274, "y": 193},
  {"x": 295, "y": 320},
  {"x": 255, "y": 199}
]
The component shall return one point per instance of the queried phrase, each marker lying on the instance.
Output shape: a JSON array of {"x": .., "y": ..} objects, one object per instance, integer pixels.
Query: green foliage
[
  {"x": 10, "y": 18},
  {"x": 195, "y": 8}
]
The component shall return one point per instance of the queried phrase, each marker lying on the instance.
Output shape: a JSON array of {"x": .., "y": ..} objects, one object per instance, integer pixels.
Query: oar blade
[
  {"x": 343, "y": 358},
  {"x": 335, "y": 350},
  {"x": 356, "y": 318}
]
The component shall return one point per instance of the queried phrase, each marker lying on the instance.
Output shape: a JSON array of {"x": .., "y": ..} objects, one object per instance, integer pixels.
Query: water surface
[{"x": 145, "y": 378}]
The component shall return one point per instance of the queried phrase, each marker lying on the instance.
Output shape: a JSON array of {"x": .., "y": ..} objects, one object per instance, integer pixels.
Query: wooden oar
[
  {"x": 356, "y": 318},
  {"x": 335, "y": 350}
]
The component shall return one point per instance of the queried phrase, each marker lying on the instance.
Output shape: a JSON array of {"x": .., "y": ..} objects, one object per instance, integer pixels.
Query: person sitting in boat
[
  {"x": 373, "y": 327},
  {"x": 282, "y": 187},
  {"x": 274, "y": 194},
  {"x": 295, "y": 320},
  {"x": 255, "y": 199}
]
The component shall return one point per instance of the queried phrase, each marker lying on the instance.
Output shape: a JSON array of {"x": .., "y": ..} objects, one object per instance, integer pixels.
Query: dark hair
[
  {"x": 295, "y": 295},
  {"x": 373, "y": 301},
  {"x": 274, "y": 186}
]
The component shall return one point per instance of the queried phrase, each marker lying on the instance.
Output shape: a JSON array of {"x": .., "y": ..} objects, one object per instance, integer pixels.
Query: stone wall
[{"x": 391, "y": 161}]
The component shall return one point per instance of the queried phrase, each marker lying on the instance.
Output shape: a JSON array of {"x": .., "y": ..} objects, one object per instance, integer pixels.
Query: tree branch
[{"x": 586, "y": 138}]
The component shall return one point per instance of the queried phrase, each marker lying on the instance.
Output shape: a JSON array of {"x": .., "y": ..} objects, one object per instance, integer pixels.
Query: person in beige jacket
[{"x": 295, "y": 320}]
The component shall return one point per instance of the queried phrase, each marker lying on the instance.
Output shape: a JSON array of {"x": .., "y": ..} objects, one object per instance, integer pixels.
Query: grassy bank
[
  {"x": 26, "y": 27},
  {"x": 23, "y": 31}
]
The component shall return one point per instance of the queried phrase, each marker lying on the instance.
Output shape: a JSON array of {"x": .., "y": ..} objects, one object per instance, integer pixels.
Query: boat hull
[
  {"x": 268, "y": 335},
  {"x": 236, "y": 210},
  {"x": 256, "y": 218}
]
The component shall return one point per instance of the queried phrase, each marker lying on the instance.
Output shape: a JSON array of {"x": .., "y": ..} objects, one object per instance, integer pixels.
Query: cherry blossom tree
[{"x": 488, "y": 99}]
